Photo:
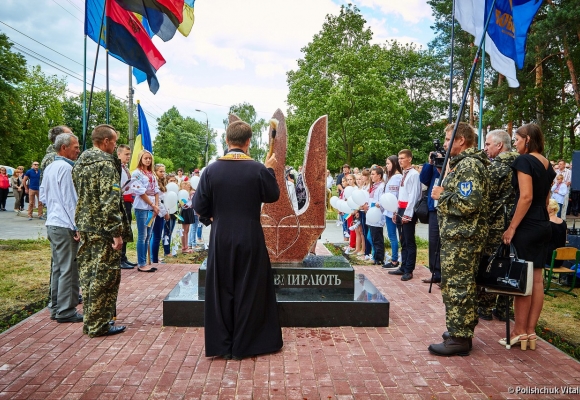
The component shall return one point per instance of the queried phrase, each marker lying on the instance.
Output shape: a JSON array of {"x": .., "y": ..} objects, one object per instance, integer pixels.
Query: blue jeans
[
  {"x": 392, "y": 235},
  {"x": 143, "y": 235},
  {"x": 191, "y": 241},
  {"x": 156, "y": 238},
  {"x": 168, "y": 231},
  {"x": 199, "y": 229}
]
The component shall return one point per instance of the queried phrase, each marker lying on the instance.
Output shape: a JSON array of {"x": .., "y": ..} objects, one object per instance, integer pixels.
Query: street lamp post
[{"x": 207, "y": 139}]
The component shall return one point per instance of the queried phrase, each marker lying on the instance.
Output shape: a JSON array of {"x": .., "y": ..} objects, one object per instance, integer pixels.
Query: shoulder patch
[
  {"x": 465, "y": 188},
  {"x": 116, "y": 187}
]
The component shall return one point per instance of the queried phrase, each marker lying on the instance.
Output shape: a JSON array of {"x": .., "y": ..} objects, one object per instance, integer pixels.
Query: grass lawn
[{"x": 24, "y": 278}]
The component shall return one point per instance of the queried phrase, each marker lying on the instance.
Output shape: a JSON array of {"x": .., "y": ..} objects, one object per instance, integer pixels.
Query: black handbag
[
  {"x": 504, "y": 273},
  {"x": 421, "y": 210}
]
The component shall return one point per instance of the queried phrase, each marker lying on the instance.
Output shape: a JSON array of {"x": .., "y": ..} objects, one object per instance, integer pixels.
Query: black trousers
[
  {"x": 434, "y": 246},
  {"x": 378, "y": 242},
  {"x": 408, "y": 246},
  {"x": 128, "y": 208},
  {"x": 3, "y": 197}
]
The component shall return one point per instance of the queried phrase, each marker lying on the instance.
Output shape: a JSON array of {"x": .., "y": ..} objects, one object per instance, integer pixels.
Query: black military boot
[
  {"x": 454, "y": 346},
  {"x": 446, "y": 336}
]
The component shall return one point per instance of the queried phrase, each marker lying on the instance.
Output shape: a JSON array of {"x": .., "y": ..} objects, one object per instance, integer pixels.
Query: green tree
[
  {"x": 342, "y": 75},
  {"x": 118, "y": 115},
  {"x": 182, "y": 140},
  {"x": 247, "y": 113},
  {"x": 42, "y": 97},
  {"x": 12, "y": 74}
]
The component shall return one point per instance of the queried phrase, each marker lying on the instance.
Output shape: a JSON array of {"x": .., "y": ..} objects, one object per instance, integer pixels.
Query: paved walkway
[{"x": 40, "y": 358}]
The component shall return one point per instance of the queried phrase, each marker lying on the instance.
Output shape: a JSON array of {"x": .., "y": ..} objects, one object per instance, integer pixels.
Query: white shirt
[
  {"x": 329, "y": 182},
  {"x": 57, "y": 191},
  {"x": 410, "y": 190},
  {"x": 393, "y": 188},
  {"x": 139, "y": 187},
  {"x": 374, "y": 199},
  {"x": 292, "y": 195}
]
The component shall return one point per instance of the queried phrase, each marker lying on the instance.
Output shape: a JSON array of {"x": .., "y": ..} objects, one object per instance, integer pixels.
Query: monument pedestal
[{"x": 321, "y": 291}]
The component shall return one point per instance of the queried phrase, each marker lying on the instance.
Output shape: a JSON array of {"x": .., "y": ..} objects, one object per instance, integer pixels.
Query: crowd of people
[
  {"x": 500, "y": 194},
  {"x": 90, "y": 200}
]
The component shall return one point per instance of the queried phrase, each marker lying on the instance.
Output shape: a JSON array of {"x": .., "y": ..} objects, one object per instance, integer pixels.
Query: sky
[{"x": 237, "y": 51}]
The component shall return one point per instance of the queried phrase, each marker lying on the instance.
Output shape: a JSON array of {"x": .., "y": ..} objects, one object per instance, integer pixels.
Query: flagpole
[
  {"x": 107, "y": 118},
  {"x": 131, "y": 135},
  {"x": 466, "y": 92},
  {"x": 451, "y": 62},
  {"x": 481, "y": 96},
  {"x": 85, "y": 94},
  {"x": 94, "y": 74}
]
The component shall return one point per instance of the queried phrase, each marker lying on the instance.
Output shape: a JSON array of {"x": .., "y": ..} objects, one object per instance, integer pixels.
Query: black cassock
[{"x": 241, "y": 314}]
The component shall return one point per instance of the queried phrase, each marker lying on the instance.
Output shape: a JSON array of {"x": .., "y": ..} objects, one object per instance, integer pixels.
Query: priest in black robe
[{"x": 241, "y": 314}]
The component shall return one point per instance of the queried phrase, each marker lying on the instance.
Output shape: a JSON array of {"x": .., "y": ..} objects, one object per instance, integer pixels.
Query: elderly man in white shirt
[{"x": 58, "y": 193}]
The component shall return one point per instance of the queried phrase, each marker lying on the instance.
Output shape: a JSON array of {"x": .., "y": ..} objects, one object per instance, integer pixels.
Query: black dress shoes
[
  {"x": 431, "y": 280},
  {"x": 132, "y": 264},
  {"x": 126, "y": 265},
  {"x": 75, "y": 318},
  {"x": 407, "y": 276},
  {"x": 114, "y": 330},
  {"x": 397, "y": 271}
]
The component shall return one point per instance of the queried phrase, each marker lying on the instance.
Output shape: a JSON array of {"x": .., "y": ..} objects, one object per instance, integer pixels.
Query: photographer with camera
[{"x": 429, "y": 177}]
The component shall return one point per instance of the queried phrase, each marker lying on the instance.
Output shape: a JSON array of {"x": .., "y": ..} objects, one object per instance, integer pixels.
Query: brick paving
[{"x": 42, "y": 359}]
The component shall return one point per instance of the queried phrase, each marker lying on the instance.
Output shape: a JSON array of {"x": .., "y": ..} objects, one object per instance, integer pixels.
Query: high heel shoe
[
  {"x": 522, "y": 339},
  {"x": 532, "y": 339}
]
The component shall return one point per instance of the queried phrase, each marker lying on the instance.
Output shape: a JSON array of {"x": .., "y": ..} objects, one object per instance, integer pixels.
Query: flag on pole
[
  {"x": 164, "y": 16},
  {"x": 143, "y": 139},
  {"x": 505, "y": 40},
  {"x": 188, "y": 18},
  {"x": 125, "y": 37}
]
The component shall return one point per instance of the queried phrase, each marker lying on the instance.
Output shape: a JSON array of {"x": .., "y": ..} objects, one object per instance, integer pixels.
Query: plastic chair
[{"x": 564, "y": 254}]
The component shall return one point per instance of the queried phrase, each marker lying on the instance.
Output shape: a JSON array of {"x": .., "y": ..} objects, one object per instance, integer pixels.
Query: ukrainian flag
[
  {"x": 188, "y": 18},
  {"x": 143, "y": 139}
]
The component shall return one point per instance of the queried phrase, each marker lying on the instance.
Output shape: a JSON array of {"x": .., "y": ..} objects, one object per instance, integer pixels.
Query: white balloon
[
  {"x": 172, "y": 187},
  {"x": 374, "y": 215},
  {"x": 389, "y": 202},
  {"x": 359, "y": 197},
  {"x": 351, "y": 203},
  {"x": 194, "y": 182},
  {"x": 170, "y": 201},
  {"x": 348, "y": 191},
  {"x": 342, "y": 206},
  {"x": 333, "y": 201},
  {"x": 183, "y": 195}
]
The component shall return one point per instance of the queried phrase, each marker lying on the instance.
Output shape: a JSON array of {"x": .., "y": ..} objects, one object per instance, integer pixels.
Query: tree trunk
[
  {"x": 539, "y": 81},
  {"x": 572, "y": 70}
]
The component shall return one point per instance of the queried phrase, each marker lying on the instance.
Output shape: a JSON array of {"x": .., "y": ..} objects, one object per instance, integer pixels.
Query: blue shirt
[
  {"x": 33, "y": 179},
  {"x": 427, "y": 177}
]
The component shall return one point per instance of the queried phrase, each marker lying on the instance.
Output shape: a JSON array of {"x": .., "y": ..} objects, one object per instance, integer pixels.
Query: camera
[{"x": 438, "y": 156}]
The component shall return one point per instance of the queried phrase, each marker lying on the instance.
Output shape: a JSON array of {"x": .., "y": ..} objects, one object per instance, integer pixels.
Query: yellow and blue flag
[
  {"x": 188, "y": 18},
  {"x": 143, "y": 139}
]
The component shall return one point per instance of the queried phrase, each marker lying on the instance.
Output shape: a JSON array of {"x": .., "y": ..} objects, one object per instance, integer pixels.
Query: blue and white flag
[{"x": 505, "y": 41}]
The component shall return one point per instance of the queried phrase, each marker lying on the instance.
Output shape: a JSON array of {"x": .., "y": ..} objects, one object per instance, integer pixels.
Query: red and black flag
[{"x": 164, "y": 16}]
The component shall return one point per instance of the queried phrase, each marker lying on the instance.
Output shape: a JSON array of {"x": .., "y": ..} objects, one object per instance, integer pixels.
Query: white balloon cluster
[{"x": 354, "y": 199}]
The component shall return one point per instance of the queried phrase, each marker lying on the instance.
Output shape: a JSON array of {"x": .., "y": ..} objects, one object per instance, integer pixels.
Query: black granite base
[{"x": 324, "y": 293}]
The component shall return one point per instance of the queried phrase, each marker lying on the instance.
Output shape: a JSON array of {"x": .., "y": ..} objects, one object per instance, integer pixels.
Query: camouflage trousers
[
  {"x": 100, "y": 276},
  {"x": 459, "y": 263}
]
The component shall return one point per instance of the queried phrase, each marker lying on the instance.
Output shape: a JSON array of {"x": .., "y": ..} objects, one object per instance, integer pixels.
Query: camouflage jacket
[
  {"x": 97, "y": 176},
  {"x": 47, "y": 159},
  {"x": 463, "y": 206},
  {"x": 501, "y": 193}
]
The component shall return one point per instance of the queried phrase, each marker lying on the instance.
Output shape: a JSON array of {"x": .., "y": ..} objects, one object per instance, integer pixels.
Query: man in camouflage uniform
[
  {"x": 502, "y": 196},
  {"x": 103, "y": 225},
  {"x": 462, "y": 213}
]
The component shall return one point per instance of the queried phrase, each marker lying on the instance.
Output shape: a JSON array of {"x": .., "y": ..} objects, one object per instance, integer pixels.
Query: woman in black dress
[
  {"x": 530, "y": 229},
  {"x": 559, "y": 230}
]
